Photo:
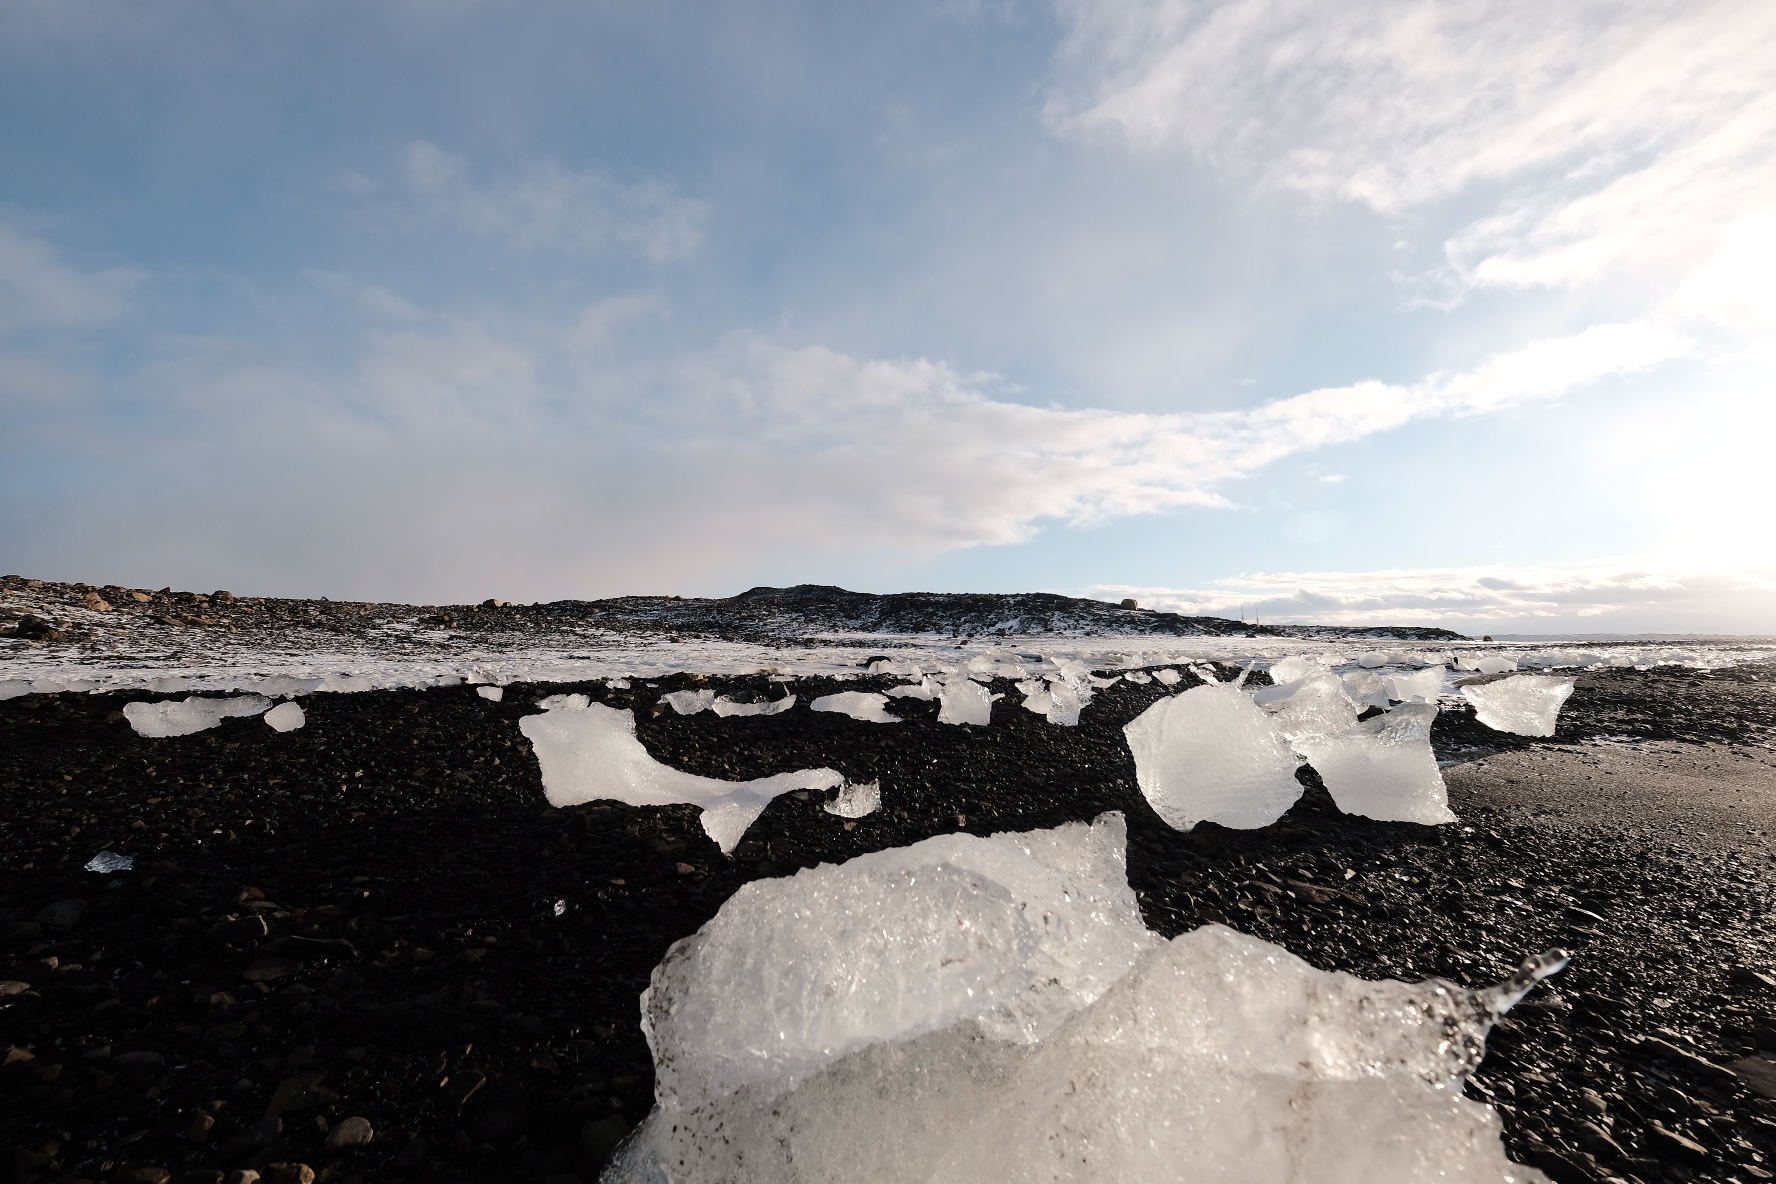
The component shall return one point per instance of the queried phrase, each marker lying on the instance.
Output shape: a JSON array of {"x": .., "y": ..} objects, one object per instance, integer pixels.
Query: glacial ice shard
[
  {"x": 856, "y": 801},
  {"x": 287, "y": 717},
  {"x": 991, "y": 1011},
  {"x": 588, "y": 751},
  {"x": 726, "y": 707},
  {"x": 867, "y": 706},
  {"x": 1527, "y": 704},
  {"x": 964, "y": 701},
  {"x": 1426, "y": 684},
  {"x": 1383, "y": 768},
  {"x": 1317, "y": 706},
  {"x": 193, "y": 714},
  {"x": 1210, "y": 754}
]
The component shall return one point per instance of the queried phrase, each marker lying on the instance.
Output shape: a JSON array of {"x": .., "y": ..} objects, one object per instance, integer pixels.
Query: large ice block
[
  {"x": 194, "y": 714},
  {"x": 1210, "y": 754},
  {"x": 1527, "y": 704},
  {"x": 864, "y": 705},
  {"x": 1383, "y": 768},
  {"x": 991, "y": 1011}
]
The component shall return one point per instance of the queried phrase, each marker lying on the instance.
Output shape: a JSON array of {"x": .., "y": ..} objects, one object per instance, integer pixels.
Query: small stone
[
  {"x": 1671, "y": 1145},
  {"x": 243, "y": 1176},
  {"x": 211, "y": 1177},
  {"x": 544, "y": 1063},
  {"x": 288, "y": 1173},
  {"x": 254, "y": 1137},
  {"x": 144, "y": 1174},
  {"x": 1672, "y": 1054},
  {"x": 350, "y": 1132},
  {"x": 139, "y": 1061},
  {"x": 301, "y": 1092},
  {"x": 222, "y": 597},
  {"x": 460, "y": 1087},
  {"x": 200, "y": 1128},
  {"x": 11, "y": 986},
  {"x": 265, "y": 970},
  {"x": 1758, "y": 1075},
  {"x": 1744, "y": 976},
  {"x": 247, "y": 929},
  {"x": 63, "y": 915},
  {"x": 499, "y": 1124}
]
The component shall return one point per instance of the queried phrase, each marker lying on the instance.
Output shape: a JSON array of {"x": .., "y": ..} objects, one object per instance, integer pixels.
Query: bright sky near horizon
[{"x": 1415, "y": 311}]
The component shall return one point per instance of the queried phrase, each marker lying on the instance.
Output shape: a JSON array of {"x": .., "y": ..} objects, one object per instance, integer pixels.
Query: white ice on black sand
[{"x": 982, "y": 1010}]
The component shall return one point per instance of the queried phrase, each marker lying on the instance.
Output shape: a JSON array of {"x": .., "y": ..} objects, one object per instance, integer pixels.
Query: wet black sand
[{"x": 411, "y": 969}]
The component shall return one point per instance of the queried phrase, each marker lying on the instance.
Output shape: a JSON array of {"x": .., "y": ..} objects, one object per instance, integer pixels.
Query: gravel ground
[{"x": 339, "y": 951}]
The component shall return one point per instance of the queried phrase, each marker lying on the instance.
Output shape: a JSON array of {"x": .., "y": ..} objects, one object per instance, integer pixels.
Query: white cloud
[
  {"x": 548, "y": 208},
  {"x": 1606, "y": 134},
  {"x": 38, "y": 290},
  {"x": 1600, "y": 596}
]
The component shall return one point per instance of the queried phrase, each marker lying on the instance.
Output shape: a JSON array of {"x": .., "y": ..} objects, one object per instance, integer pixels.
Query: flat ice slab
[
  {"x": 984, "y": 1011},
  {"x": 1527, "y": 704},
  {"x": 1383, "y": 768},
  {"x": 287, "y": 717},
  {"x": 1210, "y": 754},
  {"x": 864, "y": 705},
  {"x": 589, "y": 751},
  {"x": 184, "y": 716},
  {"x": 725, "y": 707},
  {"x": 964, "y": 701}
]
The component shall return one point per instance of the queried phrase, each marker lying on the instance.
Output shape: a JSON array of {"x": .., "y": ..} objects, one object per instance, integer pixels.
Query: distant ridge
[{"x": 766, "y": 611}]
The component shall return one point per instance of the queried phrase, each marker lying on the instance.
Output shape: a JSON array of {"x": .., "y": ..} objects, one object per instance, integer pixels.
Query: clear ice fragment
[
  {"x": 1210, "y": 754},
  {"x": 725, "y": 707},
  {"x": 864, "y": 705},
  {"x": 1426, "y": 684},
  {"x": 964, "y": 701},
  {"x": 491, "y": 694},
  {"x": 184, "y": 716},
  {"x": 1527, "y": 704},
  {"x": 689, "y": 702},
  {"x": 1383, "y": 768},
  {"x": 286, "y": 717},
  {"x": 588, "y": 751},
  {"x": 106, "y": 862},
  {"x": 856, "y": 801}
]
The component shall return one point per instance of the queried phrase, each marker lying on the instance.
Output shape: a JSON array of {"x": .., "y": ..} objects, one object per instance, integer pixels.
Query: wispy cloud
[
  {"x": 38, "y": 290},
  {"x": 1603, "y": 134},
  {"x": 1599, "y": 596},
  {"x": 544, "y": 207}
]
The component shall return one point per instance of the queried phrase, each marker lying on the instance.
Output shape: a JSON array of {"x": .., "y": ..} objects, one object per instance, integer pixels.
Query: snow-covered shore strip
[{"x": 285, "y": 672}]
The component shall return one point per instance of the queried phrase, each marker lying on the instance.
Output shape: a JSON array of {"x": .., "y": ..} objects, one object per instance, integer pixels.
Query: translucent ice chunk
[
  {"x": 856, "y": 801},
  {"x": 1294, "y": 670},
  {"x": 923, "y": 689},
  {"x": 491, "y": 694},
  {"x": 1528, "y": 704},
  {"x": 14, "y": 688},
  {"x": 689, "y": 702},
  {"x": 1014, "y": 931},
  {"x": 1169, "y": 677},
  {"x": 990, "y": 1011},
  {"x": 1427, "y": 684},
  {"x": 588, "y": 751},
  {"x": 106, "y": 862},
  {"x": 725, "y": 707},
  {"x": 1372, "y": 659},
  {"x": 964, "y": 701},
  {"x": 889, "y": 666},
  {"x": 1138, "y": 677},
  {"x": 1318, "y": 706},
  {"x": 1209, "y": 754},
  {"x": 1494, "y": 664},
  {"x": 864, "y": 705},
  {"x": 1383, "y": 768},
  {"x": 1367, "y": 689},
  {"x": 185, "y": 716},
  {"x": 286, "y": 717}
]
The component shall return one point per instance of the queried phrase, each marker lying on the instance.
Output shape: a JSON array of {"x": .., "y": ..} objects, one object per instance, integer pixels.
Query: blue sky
[{"x": 1429, "y": 312}]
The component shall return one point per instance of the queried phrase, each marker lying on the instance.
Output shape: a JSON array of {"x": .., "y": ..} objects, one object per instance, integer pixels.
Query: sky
[{"x": 1454, "y": 312}]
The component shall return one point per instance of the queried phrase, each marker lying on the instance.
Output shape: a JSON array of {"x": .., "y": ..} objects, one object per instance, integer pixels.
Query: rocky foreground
[{"x": 368, "y": 950}]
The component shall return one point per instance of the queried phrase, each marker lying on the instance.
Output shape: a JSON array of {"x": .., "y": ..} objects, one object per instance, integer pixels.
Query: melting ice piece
[
  {"x": 923, "y": 689},
  {"x": 13, "y": 688},
  {"x": 1294, "y": 669},
  {"x": 106, "y": 862},
  {"x": 491, "y": 694},
  {"x": 1209, "y": 754},
  {"x": 889, "y": 666},
  {"x": 286, "y": 717},
  {"x": 864, "y": 705},
  {"x": 1138, "y": 677},
  {"x": 1383, "y": 768},
  {"x": 1169, "y": 677},
  {"x": 1317, "y": 706},
  {"x": 1427, "y": 684},
  {"x": 856, "y": 801},
  {"x": 689, "y": 702},
  {"x": 964, "y": 701},
  {"x": 185, "y": 716},
  {"x": 589, "y": 751},
  {"x": 1494, "y": 664},
  {"x": 1372, "y": 659},
  {"x": 1366, "y": 689},
  {"x": 1528, "y": 704},
  {"x": 990, "y": 1011},
  {"x": 725, "y": 707}
]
